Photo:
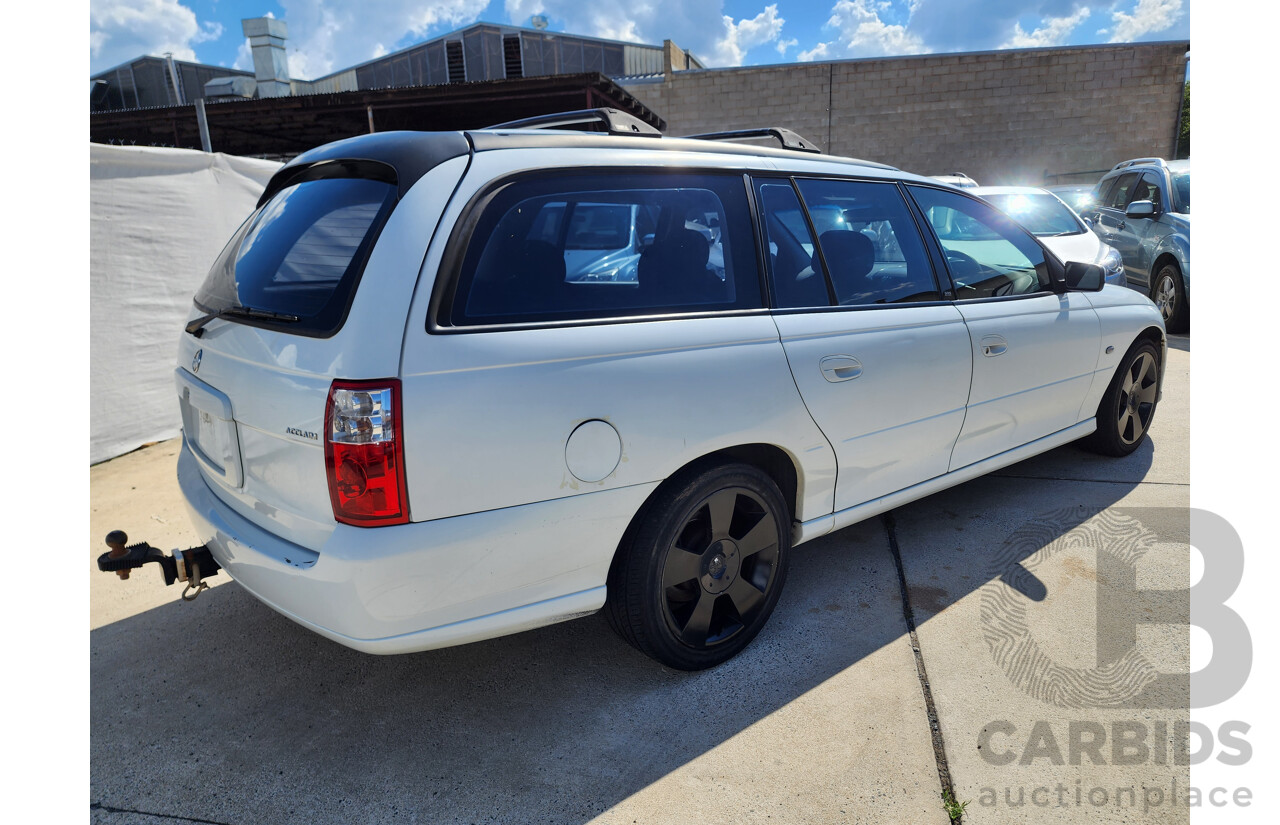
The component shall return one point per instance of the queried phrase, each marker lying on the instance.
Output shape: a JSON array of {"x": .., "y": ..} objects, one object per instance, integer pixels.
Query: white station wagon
[{"x": 410, "y": 421}]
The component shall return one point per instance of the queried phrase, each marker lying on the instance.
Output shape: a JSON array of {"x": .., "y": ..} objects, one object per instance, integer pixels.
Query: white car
[
  {"x": 405, "y": 427},
  {"x": 1057, "y": 225}
]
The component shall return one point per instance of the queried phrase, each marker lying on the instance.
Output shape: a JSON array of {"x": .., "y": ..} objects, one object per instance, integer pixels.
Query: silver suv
[{"x": 1142, "y": 207}]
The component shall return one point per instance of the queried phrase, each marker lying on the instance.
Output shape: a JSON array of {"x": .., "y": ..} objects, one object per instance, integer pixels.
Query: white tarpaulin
[{"x": 157, "y": 220}]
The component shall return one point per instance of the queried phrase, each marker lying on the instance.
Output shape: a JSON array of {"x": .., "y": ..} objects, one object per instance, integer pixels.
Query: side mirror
[
  {"x": 1140, "y": 209},
  {"x": 1082, "y": 277},
  {"x": 1087, "y": 221},
  {"x": 646, "y": 241}
]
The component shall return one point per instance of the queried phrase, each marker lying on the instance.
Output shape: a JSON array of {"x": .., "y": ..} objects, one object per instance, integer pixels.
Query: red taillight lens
[{"x": 364, "y": 453}]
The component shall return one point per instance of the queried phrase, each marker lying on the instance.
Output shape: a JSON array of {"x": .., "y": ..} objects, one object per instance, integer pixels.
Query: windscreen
[
  {"x": 301, "y": 253},
  {"x": 1044, "y": 215}
]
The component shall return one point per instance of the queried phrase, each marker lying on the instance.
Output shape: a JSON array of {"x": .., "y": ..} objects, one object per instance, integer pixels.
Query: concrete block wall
[{"x": 1007, "y": 117}]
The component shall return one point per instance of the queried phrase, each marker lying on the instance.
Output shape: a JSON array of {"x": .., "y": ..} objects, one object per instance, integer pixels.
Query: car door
[
  {"x": 1113, "y": 226},
  {"x": 1034, "y": 351},
  {"x": 880, "y": 356},
  {"x": 1133, "y": 235}
]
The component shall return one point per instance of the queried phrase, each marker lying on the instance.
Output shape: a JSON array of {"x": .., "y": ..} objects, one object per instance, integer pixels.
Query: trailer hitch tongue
[{"x": 191, "y": 566}]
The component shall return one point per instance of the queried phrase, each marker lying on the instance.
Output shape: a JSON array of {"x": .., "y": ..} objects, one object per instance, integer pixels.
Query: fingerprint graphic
[{"x": 1004, "y": 609}]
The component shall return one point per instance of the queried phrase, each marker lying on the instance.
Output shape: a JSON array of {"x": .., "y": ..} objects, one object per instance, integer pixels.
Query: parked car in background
[
  {"x": 1143, "y": 208},
  {"x": 959, "y": 179},
  {"x": 1079, "y": 196},
  {"x": 1057, "y": 226},
  {"x": 407, "y": 425}
]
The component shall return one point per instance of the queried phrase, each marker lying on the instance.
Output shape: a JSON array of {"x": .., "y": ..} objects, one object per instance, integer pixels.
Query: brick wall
[{"x": 1007, "y": 117}]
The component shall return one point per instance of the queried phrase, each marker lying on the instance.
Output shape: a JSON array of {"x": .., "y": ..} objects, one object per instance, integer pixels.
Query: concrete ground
[{"x": 1027, "y": 631}]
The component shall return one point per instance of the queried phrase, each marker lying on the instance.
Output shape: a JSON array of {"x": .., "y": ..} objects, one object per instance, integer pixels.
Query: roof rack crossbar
[
  {"x": 1135, "y": 161},
  {"x": 615, "y": 122},
  {"x": 786, "y": 137}
]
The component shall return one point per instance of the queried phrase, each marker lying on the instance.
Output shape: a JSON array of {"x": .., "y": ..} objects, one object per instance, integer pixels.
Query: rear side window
[
  {"x": 301, "y": 253},
  {"x": 557, "y": 248}
]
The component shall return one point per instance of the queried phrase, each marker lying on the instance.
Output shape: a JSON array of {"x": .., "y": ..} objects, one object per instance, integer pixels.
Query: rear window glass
[
  {"x": 595, "y": 246},
  {"x": 301, "y": 253}
]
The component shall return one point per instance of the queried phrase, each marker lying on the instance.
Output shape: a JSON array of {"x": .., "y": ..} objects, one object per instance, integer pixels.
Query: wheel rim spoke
[
  {"x": 698, "y": 627},
  {"x": 1147, "y": 381},
  {"x": 680, "y": 567},
  {"x": 1126, "y": 419},
  {"x": 720, "y": 507},
  {"x": 764, "y": 536},
  {"x": 746, "y": 598}
]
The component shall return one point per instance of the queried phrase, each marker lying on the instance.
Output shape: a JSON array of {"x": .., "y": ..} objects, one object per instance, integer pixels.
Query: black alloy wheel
[{"x": 704, "y": 568}]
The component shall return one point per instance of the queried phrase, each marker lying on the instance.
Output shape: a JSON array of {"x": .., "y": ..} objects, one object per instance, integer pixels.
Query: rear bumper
[{"x": 429, "y": 584}]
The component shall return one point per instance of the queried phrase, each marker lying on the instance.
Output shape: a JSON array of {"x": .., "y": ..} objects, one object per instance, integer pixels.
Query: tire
[
  {"x": 1170, "y": 298},
  {"x": 701, "y": 569},
  {"x": 1129, "y": 405}
]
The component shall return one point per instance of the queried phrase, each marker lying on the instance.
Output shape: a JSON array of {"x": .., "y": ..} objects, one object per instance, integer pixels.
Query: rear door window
[
  {"x": 576, "y": 247},
  {"x": 869, "y": 243},
  {"x": 301, "y": 253}
]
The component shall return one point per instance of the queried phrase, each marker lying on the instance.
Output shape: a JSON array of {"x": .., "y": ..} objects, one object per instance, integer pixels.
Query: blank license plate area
[{"x": 211, "y": 433}]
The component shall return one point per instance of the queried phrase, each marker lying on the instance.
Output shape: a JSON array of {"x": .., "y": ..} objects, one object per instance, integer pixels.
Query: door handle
[
  {"x": 837, "y": 368},
  {"x": 993, "y": 345},
  {"x": 1120, "y": 225}
]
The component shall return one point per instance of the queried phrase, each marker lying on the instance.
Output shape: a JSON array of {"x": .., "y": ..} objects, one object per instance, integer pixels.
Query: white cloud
[
  {"x": 783, "y": 45},
  {"x": 863, "y": 34},
  {"x": 818, "y": 52},
  {"x": 1054, "y": 32},
  {"x": 746, "y": 34},
  {"x": 329, "y": 35},
  {"x": 244, "y": 58},
  {"x": 120, "y": 30},
  {"x": 1148, "y": 16}
]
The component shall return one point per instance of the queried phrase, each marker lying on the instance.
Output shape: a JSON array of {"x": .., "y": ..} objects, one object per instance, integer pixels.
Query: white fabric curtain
[{"x": 157, "y": 220}]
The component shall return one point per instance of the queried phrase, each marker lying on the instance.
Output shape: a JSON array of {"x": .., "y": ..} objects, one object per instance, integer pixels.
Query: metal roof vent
[{"x": 270, "y": 64}]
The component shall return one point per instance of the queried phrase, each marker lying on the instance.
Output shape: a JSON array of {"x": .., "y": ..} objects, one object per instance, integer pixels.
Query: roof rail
[
  {"x": 615, "y": 122},
  {"x": 1124, "y": 163},
  {"x": 788, "y": 138}
]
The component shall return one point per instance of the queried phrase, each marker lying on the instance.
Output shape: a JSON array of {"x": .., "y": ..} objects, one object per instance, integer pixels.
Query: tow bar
[{"x": 192, "y": 565}]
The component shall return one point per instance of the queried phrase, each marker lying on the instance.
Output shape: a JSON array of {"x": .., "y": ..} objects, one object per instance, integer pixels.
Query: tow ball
[{"x": 192, "y": 565}]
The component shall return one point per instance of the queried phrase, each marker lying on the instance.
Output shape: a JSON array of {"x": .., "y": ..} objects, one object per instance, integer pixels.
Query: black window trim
[{"x": 444, "y": 291}]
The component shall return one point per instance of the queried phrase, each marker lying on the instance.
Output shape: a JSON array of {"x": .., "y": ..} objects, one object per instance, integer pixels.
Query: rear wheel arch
[{"x": 776, "y": 462}]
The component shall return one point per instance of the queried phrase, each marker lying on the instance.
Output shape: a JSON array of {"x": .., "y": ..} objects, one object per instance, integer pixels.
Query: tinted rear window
[
  {"x": 589, "y": 246},
  {"x": 301, "y": 253}
]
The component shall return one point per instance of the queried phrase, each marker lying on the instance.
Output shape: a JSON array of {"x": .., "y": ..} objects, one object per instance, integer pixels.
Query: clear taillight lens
[{"x": 364, "y": 454}]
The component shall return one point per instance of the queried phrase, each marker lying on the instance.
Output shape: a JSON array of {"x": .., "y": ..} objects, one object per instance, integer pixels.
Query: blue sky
[{"x": 328, "y": 35}]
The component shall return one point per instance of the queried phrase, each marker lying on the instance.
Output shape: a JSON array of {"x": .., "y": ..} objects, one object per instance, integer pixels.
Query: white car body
[
  {"x": 1083, "y": 245},
  {"x": 528, "y": 451}
]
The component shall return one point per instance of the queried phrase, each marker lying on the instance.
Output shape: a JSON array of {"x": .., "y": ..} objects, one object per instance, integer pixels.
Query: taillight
[{"x": 364, "y": 453}]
